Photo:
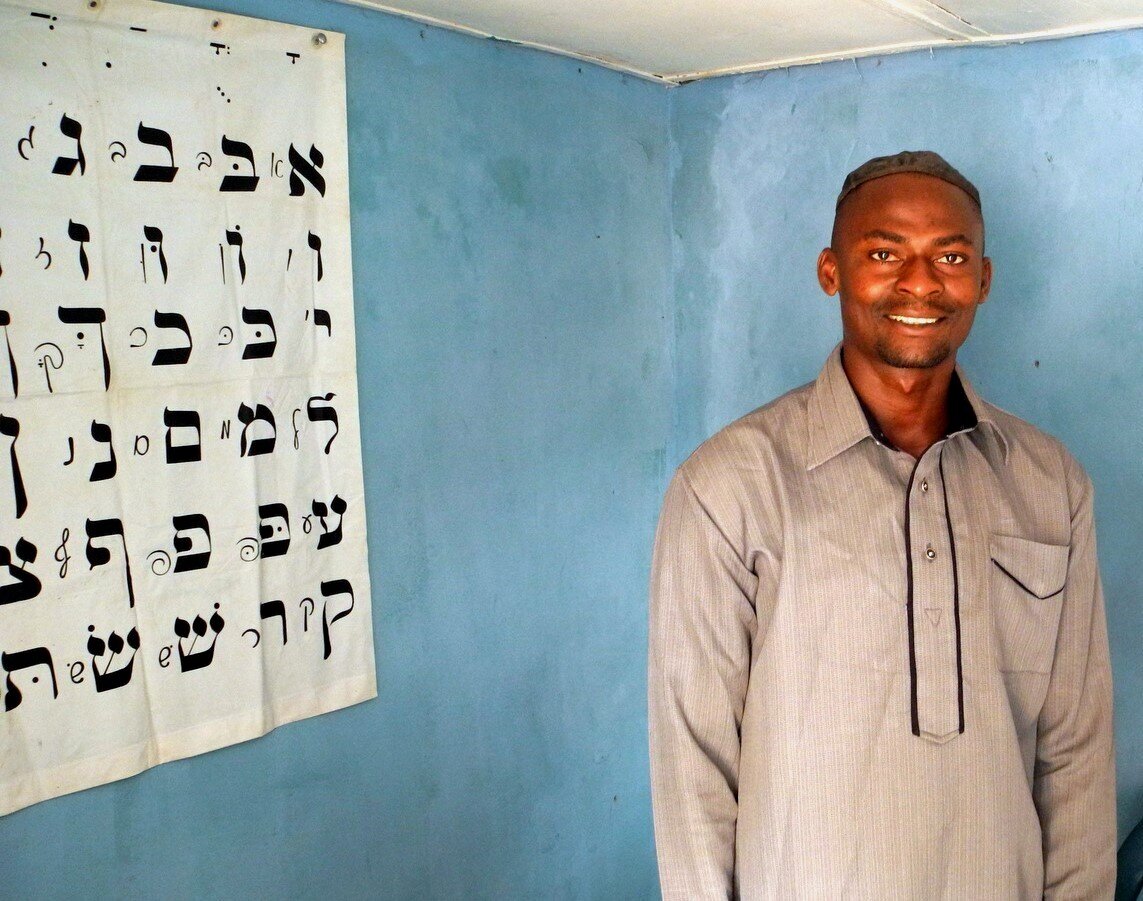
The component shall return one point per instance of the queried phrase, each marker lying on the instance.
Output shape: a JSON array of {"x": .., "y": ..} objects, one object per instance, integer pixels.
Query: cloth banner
[{"x": 182, "y": 522}]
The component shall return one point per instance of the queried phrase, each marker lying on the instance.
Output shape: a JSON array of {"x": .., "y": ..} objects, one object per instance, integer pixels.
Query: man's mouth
[{"x": 914, "y": 320}]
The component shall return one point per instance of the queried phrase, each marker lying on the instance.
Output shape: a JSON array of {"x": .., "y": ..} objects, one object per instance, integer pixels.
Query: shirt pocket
[{"x": 1026, "y": 585}]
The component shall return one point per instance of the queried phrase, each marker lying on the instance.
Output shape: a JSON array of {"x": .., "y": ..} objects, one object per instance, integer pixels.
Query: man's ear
[
  {"x": 985, "y": 278},
  {"x": 827, "y": 271}
]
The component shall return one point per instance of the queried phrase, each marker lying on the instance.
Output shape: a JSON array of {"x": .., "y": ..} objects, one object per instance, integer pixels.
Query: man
[{"x": 878, "y": 653}]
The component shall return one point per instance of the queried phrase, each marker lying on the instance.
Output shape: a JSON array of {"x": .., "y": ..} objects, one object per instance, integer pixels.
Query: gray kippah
[{"x": 924, "y": 162}]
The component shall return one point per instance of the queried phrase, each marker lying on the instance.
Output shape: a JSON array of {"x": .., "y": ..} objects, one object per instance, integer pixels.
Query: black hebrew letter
[
  {"x": 315, "y": 245},
  {"x": 241, "y": 151},
  {"x": 172, "y": 356},
  {"x": 321, "y": 317},
  {"x": 10, "y": 426},
  {"x": 183, "y": 419},
  {"x": 156, "y": 137},
  {"x": 330, "y": 536},
  {"x": 189, "y": 659},
  {"x": 19, "y": 660},
  {"x": 5, "y": 321},
  {"x": 262, "y": 349},
  {"x": 154, "y": 235},
  {"x": 65, "y": 165},
  {"x": 29, "y": 140},
  {"x": 110, "y": 679},
  {"x": 234, "y": 239},
  {"x": 27, "y": 585},
  {"x": 98, "y": 556},
  {"x": 318, "y": 413},
  {"x": 90, "y": 316},
  {"x": 80, "y": 233},
  {"x": 328, "y": 590},
  {"x": 50, "y": 360},
  {"x": 253, "y": 447},
  {"x": 105, "y": 469},
  {"x": 43, "y": 252},
  {"x": 308, "y": 169},
  {"x": 269, "y": 527},
  {"x": 274, "y": 608},
  {"x": 61, "y": 555},
  {"x": 185, "y": 561}
]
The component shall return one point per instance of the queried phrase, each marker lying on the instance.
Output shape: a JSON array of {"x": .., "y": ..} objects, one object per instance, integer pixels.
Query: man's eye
[
  {"x": 882, "y": 256},
  {"x": 954, "y": 259}
]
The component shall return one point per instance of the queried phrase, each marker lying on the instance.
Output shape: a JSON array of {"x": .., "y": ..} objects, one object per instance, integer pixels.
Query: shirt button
[
  {"x": 930, "y": 553},
  {"x": 924, "y": 484}
]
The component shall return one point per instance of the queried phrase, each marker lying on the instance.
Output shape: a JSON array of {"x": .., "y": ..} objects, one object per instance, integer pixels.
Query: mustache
[{"x": 932, "y": 308}]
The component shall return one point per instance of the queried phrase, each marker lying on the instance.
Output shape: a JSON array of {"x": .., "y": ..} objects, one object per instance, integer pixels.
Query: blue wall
[
  {"x": 564, "y": 279},
  {"x": 1052, "y": 134}
]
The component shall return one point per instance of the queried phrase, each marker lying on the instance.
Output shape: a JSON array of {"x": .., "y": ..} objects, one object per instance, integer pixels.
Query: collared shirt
[{"x": 872, "y": 676}]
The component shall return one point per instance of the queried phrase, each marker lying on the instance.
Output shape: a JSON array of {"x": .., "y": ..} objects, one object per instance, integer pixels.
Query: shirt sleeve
[
  {"x": 701, "y": 624},
  {"x": 1074, "y": 785}
]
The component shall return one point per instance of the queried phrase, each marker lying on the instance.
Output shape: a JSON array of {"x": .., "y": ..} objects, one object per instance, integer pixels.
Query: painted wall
[
  {"x": 511, "y": 258},
  {"x": 564, "y": 280},
  {"x": 1052, "y": 134}
]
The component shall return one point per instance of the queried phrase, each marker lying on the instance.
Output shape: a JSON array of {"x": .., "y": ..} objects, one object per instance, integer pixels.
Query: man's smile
[{"x": 915, "y": 320}]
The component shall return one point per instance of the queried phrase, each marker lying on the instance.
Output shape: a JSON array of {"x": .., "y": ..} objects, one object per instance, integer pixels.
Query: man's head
[{"x": 907, "y": 260}]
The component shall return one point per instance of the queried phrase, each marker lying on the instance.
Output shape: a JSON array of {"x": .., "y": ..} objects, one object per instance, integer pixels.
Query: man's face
[{"x": 908, "y": 263}]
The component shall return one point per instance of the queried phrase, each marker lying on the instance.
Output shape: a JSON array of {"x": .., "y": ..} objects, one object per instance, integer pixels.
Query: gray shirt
[{"x": 879, "y": 677}]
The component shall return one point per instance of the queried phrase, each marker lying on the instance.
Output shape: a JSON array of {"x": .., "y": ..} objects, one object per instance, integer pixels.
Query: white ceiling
[{"x": 681, "y": 40}]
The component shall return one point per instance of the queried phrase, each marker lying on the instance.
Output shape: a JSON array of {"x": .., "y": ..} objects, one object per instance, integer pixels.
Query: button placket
[{"x": 935, "y": 685}]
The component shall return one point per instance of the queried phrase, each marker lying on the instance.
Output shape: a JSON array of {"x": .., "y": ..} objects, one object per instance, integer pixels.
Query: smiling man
[{"x": 878, "y": 654}]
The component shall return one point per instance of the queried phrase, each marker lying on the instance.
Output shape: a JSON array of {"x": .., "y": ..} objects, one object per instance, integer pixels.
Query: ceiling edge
[
  {"x": 905, "y": 47},
  {"x": 672, "y": 79},
  {"x": 615, "y": 65}
]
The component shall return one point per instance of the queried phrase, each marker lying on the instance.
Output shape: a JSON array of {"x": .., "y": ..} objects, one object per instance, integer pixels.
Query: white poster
[{"x": 182, "y": 521}]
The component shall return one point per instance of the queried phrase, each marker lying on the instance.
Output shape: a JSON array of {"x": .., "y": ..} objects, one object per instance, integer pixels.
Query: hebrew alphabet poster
[{"x": 182, "y": 523}]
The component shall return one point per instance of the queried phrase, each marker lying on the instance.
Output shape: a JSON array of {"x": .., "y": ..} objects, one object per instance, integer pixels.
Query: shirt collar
[{"x": 837, "y": 420}]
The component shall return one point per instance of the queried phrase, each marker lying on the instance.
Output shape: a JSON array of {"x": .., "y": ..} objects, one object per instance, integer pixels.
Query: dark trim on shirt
[{"x": 956, "y": 594}]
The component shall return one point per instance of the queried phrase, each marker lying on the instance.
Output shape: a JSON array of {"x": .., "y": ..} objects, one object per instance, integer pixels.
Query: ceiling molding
[
  {"x": 743, "y": 32},
  {"x": 856, "y": 53},
  {"x": 618, "y": 66}
]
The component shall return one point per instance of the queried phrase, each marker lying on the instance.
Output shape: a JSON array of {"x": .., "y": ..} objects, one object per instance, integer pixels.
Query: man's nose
[{"x": 918, "y": 278}]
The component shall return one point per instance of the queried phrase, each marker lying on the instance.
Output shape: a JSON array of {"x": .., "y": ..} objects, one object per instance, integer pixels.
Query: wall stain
[{"x": 511, "y": 179}]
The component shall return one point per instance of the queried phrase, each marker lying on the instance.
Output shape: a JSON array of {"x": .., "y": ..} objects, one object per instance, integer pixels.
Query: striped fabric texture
[{"x": 872, "y": 676}]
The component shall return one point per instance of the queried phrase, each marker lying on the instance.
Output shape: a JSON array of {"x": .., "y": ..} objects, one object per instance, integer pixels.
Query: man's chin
[{"x": 913, "y": 358}]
